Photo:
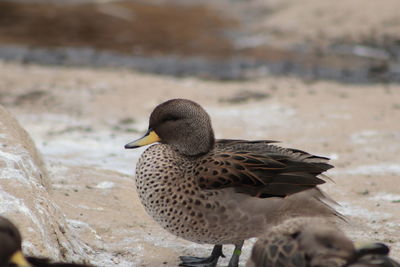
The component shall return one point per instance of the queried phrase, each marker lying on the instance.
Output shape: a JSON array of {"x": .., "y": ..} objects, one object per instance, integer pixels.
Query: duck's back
[{"x": 261, "y": 169}]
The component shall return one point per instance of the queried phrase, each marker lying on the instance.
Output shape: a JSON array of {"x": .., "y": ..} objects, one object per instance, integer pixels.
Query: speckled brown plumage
[
  {"x": 222, "y": 191},
  {"x": 173, "y": 193},
  {"x": 313, "y": 242}
]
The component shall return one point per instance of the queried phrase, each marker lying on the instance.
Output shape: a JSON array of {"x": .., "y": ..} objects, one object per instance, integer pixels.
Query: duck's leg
[
  {"x": 211, "y": 261},
  {"x": 234, "y": 261}
]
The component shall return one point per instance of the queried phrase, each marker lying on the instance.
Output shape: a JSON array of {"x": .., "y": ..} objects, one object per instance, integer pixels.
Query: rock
[{"x": 25, "y": 198}]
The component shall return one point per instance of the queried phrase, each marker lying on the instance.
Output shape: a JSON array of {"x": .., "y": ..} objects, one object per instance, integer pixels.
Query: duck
[
  {"x": 221, "y": 191},
  {"x": 313, "y": 242},
  {"x": 11, "y": 251}
]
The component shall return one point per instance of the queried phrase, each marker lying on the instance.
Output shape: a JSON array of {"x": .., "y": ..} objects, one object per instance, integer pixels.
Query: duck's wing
[
  {"x": 276, "y": 251},
  {"x": 259, "y": 168}
]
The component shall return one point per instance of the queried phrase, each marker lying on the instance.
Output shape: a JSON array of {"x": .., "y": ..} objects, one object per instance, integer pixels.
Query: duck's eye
[
  {"x": 328, "y": 243},
  {"x": 295, "y": 235},
  {"x": 170, "y": 118}
]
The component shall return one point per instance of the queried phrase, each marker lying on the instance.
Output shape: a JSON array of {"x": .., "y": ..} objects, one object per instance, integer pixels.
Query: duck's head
[
  {"x": 182, "y": 124},
  {"x": 324, "y": 243},
  {"x": 363, "y": 251},
  {"x": 10, "y": 245}
]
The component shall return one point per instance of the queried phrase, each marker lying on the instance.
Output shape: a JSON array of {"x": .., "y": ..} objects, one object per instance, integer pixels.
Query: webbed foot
[{"x": 188, "y": 261}]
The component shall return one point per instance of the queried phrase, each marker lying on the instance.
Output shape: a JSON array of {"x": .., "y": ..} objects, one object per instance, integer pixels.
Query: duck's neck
[{"x": 197, "y": 143}]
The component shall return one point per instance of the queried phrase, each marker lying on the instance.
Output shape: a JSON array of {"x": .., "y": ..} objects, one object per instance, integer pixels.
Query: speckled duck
[
  {"x": 311, "y": 242},
  {"x": 221, "y": 191}
]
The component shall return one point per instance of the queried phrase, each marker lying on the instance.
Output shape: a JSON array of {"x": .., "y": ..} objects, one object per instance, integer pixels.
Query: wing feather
[{"x": 260, "y": 169}]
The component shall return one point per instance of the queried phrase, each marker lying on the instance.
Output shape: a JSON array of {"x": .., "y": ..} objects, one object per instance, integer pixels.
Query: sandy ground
[{"x": 81, "y": 118}]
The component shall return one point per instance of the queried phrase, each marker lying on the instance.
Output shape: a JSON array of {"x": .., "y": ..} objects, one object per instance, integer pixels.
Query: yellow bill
[
  {"x": 19, "y": 259},
  {"x": 149, "y": 137}
]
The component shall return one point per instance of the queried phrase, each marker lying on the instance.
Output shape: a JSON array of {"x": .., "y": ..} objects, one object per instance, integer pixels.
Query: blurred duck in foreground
[
  {"x": 221, "y": 191},
  {"x": 312, "y": 242},
  {"x": 10, "y": 250}
]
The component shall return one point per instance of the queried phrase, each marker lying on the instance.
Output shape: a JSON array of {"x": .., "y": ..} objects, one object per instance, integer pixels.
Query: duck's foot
[
  {"x": 211, "y": 261},
  {"x": 188, "y": 261}
]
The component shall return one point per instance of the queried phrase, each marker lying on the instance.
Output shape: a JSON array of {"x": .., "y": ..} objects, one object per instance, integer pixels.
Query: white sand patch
[
  {"x": 82, "y": 225},
  {"x": 393, "y": 225},
  {"x": 90, "y": 208},
  {"x": 386, "y": 197},
  {"x": 67, "y": 186},
  {"x": 333, "y": 156},
  {"x": 98, "y": 147},
  {"x": 105, "y": 185},
  {"x": 97, "y": 153},
  {"x": 9, "y": 202},
  {"x": 18, "y": 163}
]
